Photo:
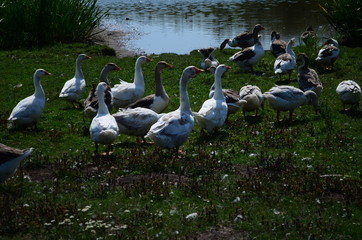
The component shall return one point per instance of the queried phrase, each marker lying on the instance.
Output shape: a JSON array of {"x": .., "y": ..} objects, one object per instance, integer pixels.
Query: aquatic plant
[
  {"x": 36, "y": 23},
  {"x": 346, "y": 18}
]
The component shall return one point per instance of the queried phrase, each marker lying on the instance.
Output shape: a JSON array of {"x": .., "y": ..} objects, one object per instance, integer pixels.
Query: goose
[
  {"x": 126, "y": 93},
  {"x": 248, "y": 57},
  {"x": 349, "y": 92},
  {"x": 329, "y": 53},
  {"x": 277, "y": 46},
  {"x": 10, "y": 159},
  {"x": 288, "y": 98},
  {"x": 91, "y": 103},
  {"x": 73, "y": 89},
  {"x": 231, "y": 97},
  {"x": 103, "y": 128},
  {"x": 307, "y": 77},
  {"x": 253, "y": 97},
  {"x": 244, "y": 39},
  {"x": 136, "y": 121},
  {"x": 213, "y": 112},
  {"x": 308, "y": 35},
  {"x": 27, "y": 112},
  {"x": 285, "y": 63},
  {"x": 173, "y": 128},
  {"x": 208, "y": 59},
  {"x": 157, "y": 102}
]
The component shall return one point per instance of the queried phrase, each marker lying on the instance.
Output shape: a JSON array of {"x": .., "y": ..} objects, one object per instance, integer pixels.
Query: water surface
[{"x": 180, "y": 26}]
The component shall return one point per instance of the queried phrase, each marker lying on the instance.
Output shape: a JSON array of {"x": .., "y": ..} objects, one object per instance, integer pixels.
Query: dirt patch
[
  {"x": 218, "y": 233},
  {"x": 116, "y": 40},
  {"x": 168, "y": 178}
]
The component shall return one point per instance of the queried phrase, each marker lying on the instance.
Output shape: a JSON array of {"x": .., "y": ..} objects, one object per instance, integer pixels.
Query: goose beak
[
  {"x": 117, "y": 68},
  {"x": 148, "y": 59},
  {"x": 88, "y": 57},
  {"x": 228, "y": 67},
  {"x": 47, "y": 73},
  {"x": 169, "y": 65},
  {"x": 198, "y": 70}
]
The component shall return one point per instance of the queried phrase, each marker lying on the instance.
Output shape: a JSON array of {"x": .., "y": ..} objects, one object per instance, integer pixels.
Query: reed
[
  {"x": 346, "y": 18},
  {"x": 36, "y": 23}
]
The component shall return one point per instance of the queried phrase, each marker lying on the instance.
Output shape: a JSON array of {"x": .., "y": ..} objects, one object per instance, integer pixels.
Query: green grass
[{"x": 295, "y": 179}]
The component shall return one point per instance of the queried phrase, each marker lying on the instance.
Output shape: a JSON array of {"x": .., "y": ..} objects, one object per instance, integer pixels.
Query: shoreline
[{"x": 116, "y": 40}]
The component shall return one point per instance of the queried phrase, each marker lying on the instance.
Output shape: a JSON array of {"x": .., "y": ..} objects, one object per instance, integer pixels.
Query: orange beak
[
  {"x": 198, "y": 70},
  {"x": 148, "y": 59},
  {"x": 47, "y": 73}
]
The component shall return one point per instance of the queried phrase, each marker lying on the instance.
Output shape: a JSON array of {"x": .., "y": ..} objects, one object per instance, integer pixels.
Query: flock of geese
[{"x": 143, "y": 117}]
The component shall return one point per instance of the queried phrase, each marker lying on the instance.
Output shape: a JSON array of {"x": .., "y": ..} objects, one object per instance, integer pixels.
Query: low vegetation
[
  {"x": 345, "y": 16},
  {"x": 254, "y": 178},
  {"x": 37, "y": 23}
]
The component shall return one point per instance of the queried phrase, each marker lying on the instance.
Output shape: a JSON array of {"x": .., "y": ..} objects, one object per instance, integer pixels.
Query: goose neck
[
  {"x": 160, "y": 90},
  {"x": 138, "y": 75},
  {"x": 217, "y": 84},
  {"x": 305, "y": 63},
  {"x": 102, "y": 107},
  {"x": 104, "y": 74},
  {"x": 184, "y": 97},
  {"x": 39, "y": 91},
  {"x": 78, "y": 69}
]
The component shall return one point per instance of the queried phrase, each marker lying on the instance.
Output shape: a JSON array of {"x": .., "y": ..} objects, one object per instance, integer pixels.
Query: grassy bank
[{"x": 253, "y": 178}]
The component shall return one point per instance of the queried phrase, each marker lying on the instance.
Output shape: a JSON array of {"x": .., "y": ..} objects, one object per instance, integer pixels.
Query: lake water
[{"x": 180, "y": 26}]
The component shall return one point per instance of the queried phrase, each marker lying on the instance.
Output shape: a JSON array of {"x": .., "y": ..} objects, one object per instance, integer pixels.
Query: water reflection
[{"x": 180, "y": 25}]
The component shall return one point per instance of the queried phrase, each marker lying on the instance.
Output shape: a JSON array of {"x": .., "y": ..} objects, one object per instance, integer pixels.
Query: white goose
[
  {"x": 173, "y": 128},
  {"x": 126, "y": 93},
  {"x": 231, "y": 97},
  {"x": 91, "y": 103},
  {"x": 286, "y": 62},
  {"x": 248, "y": 57},
  {"x": 244, "y": 39},
  {"x": 277, "y": 46},
  {"x": 103, "y": 128},
  {"x": 253, "y": 97},
  {"x": 73, "y": 89},
  {"x": 28, "y": 111},
  {"x": 307, "y": 77},
  {"x": 329, "y": 53},
  {"x": 349, "y": 92},
  {"x": 136, "y": 121},
  {"x": 213, "y": 112},
  {"x": 157, "y": 102},
  {"x": 208, "y": 58},
  {"x": 288, "y": 98},
  {"x": 10, "y": 159}
]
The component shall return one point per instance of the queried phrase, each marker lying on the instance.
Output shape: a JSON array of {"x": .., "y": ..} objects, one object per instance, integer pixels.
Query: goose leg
[
  {"x": 290, "y": 115},
  {"x": 96, "y": 151}
]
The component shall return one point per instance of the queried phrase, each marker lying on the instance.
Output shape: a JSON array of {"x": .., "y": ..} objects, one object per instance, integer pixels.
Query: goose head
[
  {"x": 40, "y": 73},
  {"x": 83, "y": 57},
  {"x": 302, "y": 57},
  {"x": 332, "y": 42},
  {"x": 221, "y": 69},
  {"x": 274, "y": 36},
  {"x": 102, "y": 86},
  {"x": 111, "y": 67},
  {"x": 163, "y": 65},
  {"x": 143, "y": 59},
  {"x": 258, "y": 28},
  {"x": 292, "y": 42},
  {"x": 312, "y": 99},
  {"x": 191, "y": 72}
]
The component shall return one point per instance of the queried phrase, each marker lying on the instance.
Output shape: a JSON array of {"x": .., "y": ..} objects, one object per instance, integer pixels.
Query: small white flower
[
  {"x": 236, "y": 200},
  {"x": 276, "y": 212},
  {"x": 191, "y": 216},
  {"x": 252, "y": 155}
]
